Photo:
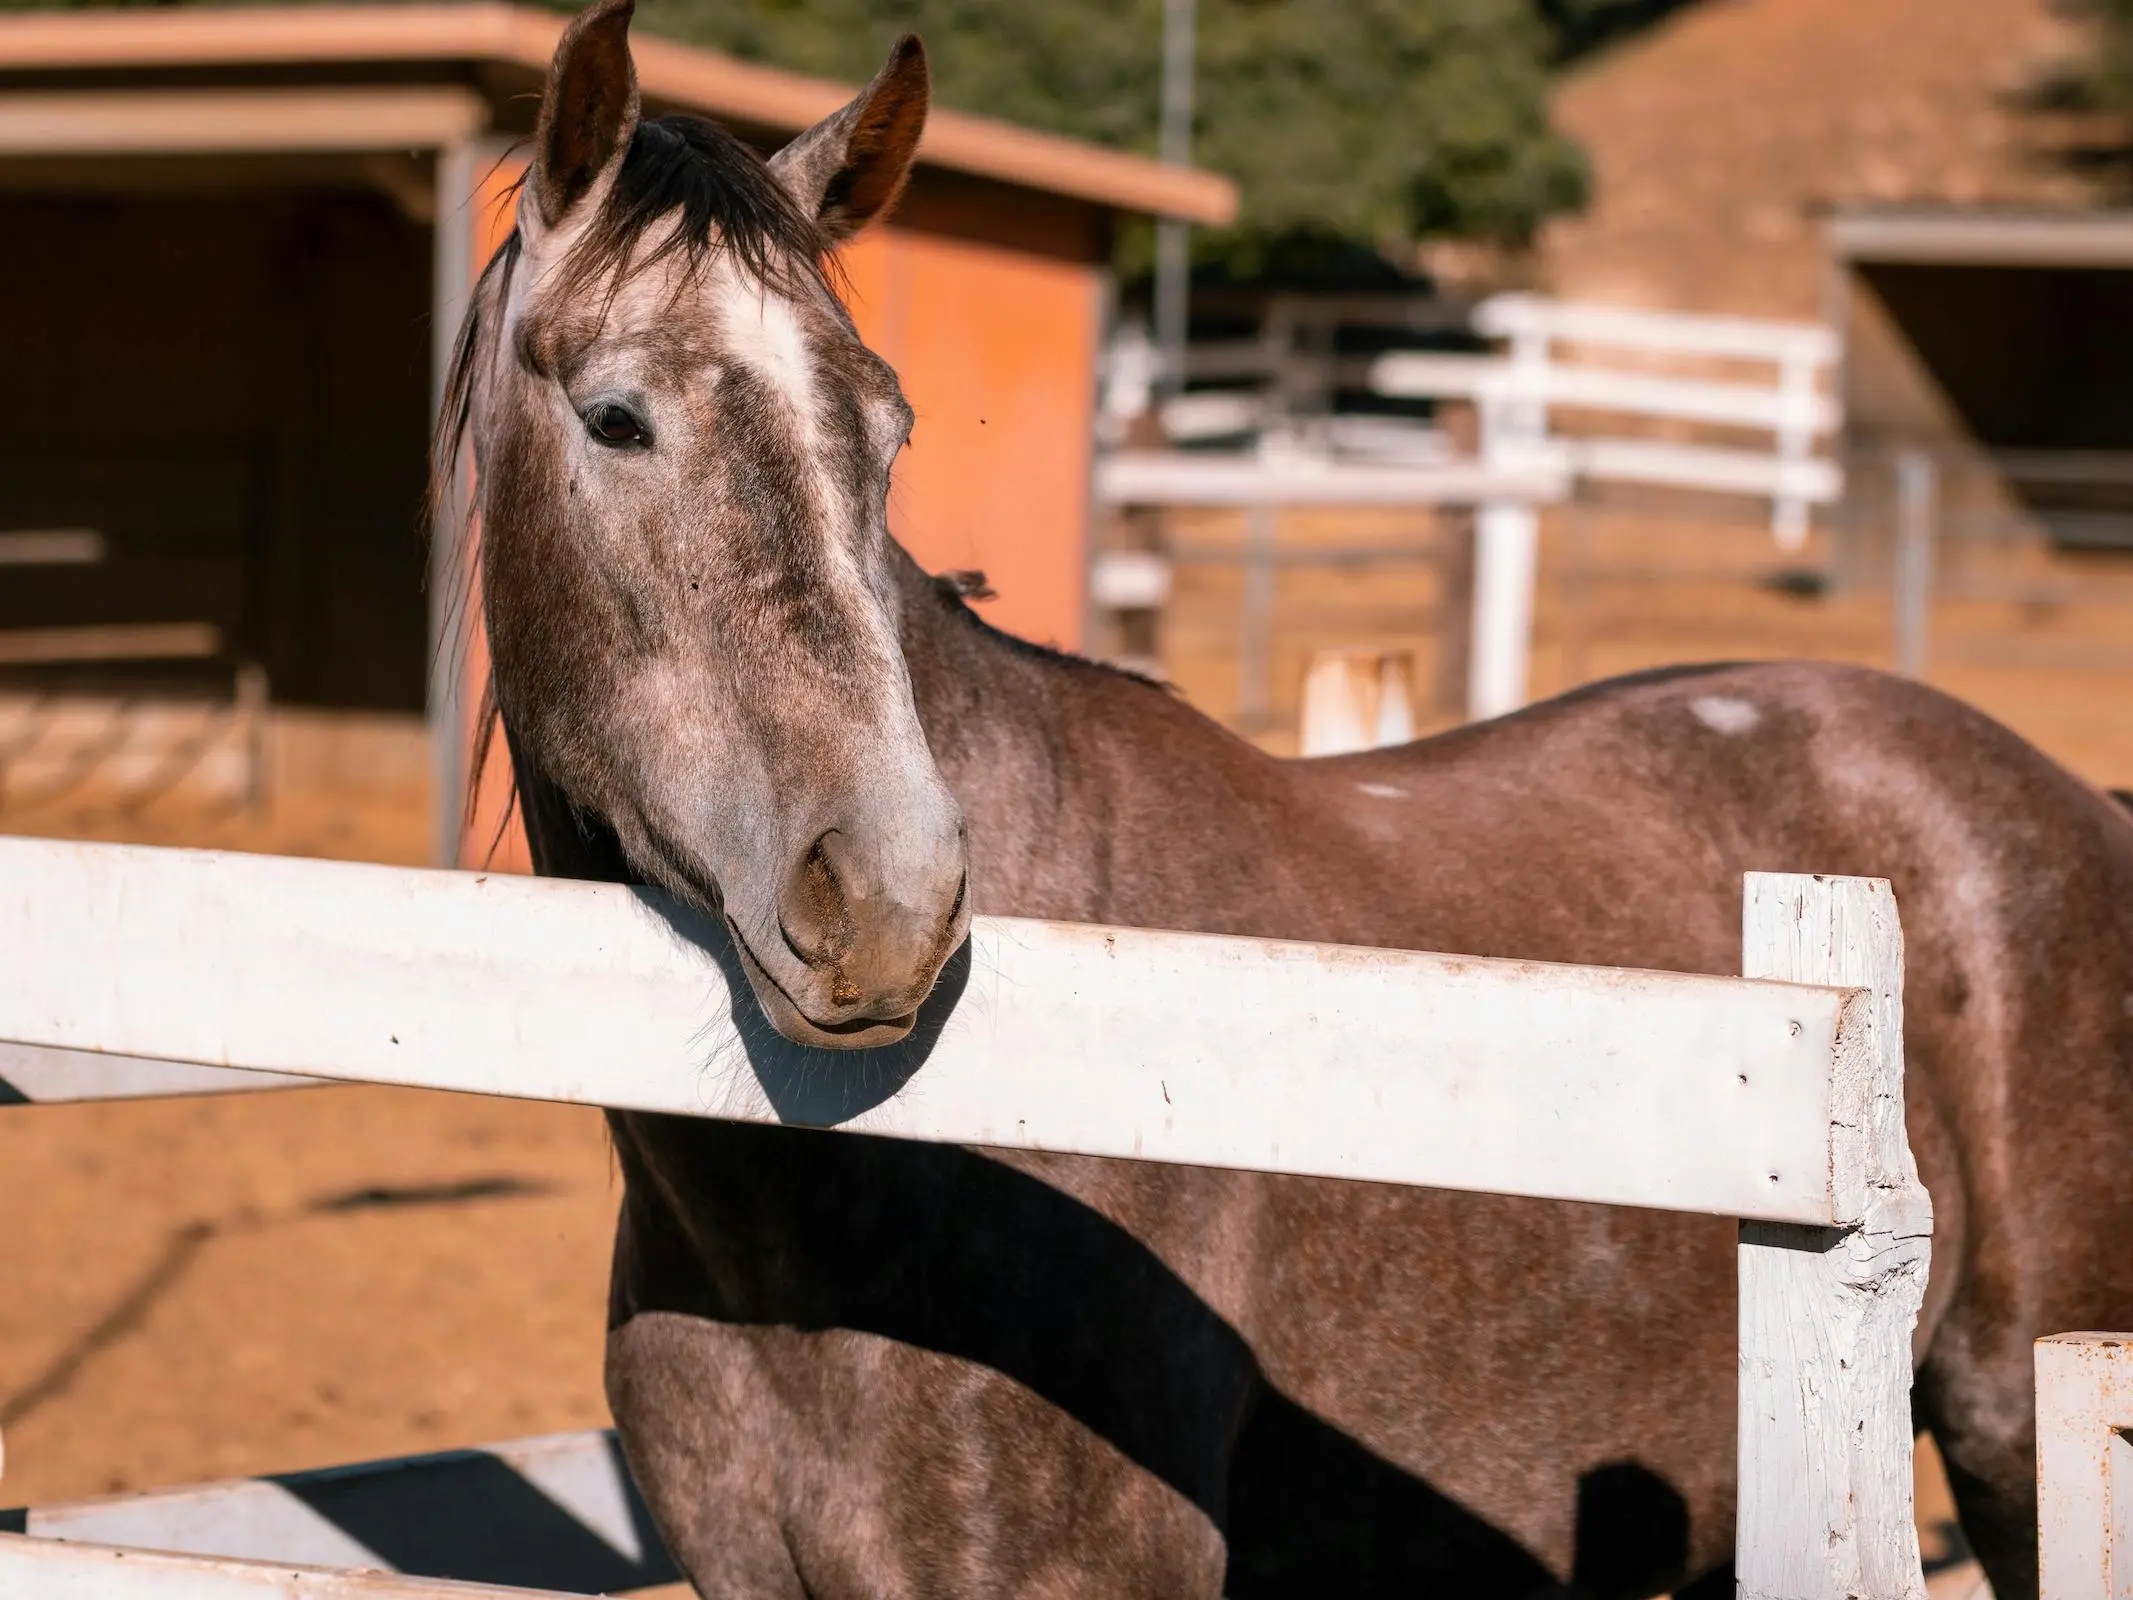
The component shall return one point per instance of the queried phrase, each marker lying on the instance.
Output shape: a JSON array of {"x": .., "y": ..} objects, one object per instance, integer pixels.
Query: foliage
[
  {"x": 2100, "y": 79},
  {"x": 1373, "y": 121}
]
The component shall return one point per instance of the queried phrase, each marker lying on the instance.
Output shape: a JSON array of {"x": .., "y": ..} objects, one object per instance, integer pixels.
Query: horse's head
[{"x": 684, "y": 454}]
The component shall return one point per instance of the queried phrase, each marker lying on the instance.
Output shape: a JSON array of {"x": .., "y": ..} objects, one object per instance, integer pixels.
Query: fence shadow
[{"x": 943, "y": 1249}]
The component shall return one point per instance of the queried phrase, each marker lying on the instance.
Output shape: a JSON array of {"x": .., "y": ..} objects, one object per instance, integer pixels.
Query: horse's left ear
[
  {"x": 589, "y": 111},
  {"x": 848, "y": 169}
]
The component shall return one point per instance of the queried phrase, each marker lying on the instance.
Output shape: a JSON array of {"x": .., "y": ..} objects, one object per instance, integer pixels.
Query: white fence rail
[
  {"x": 556, "y": 1512},
  {"x": 1775, "y": 1098},
  {"x": 2085, "y": 1466}
]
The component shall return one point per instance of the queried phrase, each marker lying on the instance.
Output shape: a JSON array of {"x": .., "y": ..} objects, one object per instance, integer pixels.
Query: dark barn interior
[
  {"x": 2000, "y": 342},
  {"x": 213, "y": 445}
]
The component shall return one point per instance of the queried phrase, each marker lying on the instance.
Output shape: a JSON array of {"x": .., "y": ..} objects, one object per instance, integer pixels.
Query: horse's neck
[
  {"x": 1048, "y": 754},
  {"x": 995, "y": 712}
]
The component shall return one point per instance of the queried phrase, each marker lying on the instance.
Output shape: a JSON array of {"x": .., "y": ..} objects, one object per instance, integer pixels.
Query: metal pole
[
  {"x": 1917, "y": 494},
  {"x": 1173, "y": 263},
  {"x": 1254, "y": 674}
]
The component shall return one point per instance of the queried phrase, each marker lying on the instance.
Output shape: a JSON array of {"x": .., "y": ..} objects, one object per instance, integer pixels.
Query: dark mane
[{"x": 955, "y": 590}]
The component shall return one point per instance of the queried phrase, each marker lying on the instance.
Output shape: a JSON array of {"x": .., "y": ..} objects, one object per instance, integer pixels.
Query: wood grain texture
[{"x": 1826, "y": 1314}]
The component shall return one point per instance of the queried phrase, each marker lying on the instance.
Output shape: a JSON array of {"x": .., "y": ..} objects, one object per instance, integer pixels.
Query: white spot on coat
[
  {"x": 1722, "y": 713},
  {"x": 1382, "y": 791}
]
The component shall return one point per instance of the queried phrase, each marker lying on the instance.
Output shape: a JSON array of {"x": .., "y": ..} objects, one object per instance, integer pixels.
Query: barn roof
[{"x": 68, "y": 73}]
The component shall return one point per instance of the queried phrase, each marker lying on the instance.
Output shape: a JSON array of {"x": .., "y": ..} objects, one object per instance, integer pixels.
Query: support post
[
  {"x": 2085, "y": 1466},
  {"x": 1790, "y": 514},
  {"x": 1173, "y": 255},
  {"x": 1827, "y": 1314},
  {"x": 1506, "y": 559},
  {"x": 1255, "y": 700},
  {"x": 1917, "y": 509}
]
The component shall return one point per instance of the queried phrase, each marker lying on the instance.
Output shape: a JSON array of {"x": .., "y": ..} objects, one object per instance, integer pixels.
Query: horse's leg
[
  {"x": 697, "y": 1456},
  {"x": 1990, "y": 1454}
]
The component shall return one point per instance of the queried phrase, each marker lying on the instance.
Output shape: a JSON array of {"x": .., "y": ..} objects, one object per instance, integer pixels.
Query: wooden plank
[
  {"x": 50, "y": 1569},
  {"x": 1682, "y": 333},
  {"x": 1707, "y": 467},
  {"x": 555, "y": 1512},
  {"x": 177, "y": 121},
  {"x": 1826, "y": 1315},
  {"x": 51, "y": 547},
  {"x": 118, "y": 641},
  {"x": 2085, "y": 1466},
  {"x": 1181, "y": 478},
  {"x": 32, "y": 1074},
  {"x": 1429, "y": 376},
  {"x": 1654, "y": 1089}
]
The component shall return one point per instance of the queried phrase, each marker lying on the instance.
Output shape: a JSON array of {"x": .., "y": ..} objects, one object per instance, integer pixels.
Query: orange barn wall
[{"x": 997, "y": 352}]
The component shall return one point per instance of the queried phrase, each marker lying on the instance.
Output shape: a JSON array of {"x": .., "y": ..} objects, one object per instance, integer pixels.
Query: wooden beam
[
  {"x": 39, "y": 1075},
  {"x": 51, "y": 1569},
  {"x": 118, "y": 641},
  {"x": 1827, "y": 1314},
  {"x": 672, "y": 76},
  {"x": 559, "y": 1511},
  {"x": 1630, "y": 1088},
  {"x": 67, "y": 122}
]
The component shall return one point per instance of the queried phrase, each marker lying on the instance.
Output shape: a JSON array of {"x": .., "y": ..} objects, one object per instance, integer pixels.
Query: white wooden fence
[
  {"x": 1559, "y": 356},
  {"x": 1557, "y": 359},
  {"x": 1775, "y": 1098}
]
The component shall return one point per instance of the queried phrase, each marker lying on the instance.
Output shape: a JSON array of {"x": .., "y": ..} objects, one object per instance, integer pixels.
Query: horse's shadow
[{"x": 943, "y": 1249}]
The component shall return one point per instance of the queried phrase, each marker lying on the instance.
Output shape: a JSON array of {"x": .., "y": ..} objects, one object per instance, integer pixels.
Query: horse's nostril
[{"x": 815, "y": 915}]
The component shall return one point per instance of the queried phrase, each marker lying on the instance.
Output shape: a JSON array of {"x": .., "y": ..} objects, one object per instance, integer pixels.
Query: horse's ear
[
  {"x": 848, "y": 169},
  {"x": 589, "y": 110}
]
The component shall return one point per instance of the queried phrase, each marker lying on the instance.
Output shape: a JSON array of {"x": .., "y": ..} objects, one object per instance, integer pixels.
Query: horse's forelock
[{"x": 694, "y": 190}]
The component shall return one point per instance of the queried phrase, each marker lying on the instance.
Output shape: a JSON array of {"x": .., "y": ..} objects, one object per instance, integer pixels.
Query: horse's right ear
[
  {"x": 589, "y": 110},
  {"x": 849, "y": 168}
]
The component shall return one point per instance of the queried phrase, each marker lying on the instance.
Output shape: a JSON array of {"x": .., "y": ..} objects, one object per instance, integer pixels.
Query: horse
[{"x": 844, "y": 1366}]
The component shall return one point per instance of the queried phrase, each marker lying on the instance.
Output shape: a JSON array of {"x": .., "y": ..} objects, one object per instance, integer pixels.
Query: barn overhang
[{"x": 1997, "y": 340}]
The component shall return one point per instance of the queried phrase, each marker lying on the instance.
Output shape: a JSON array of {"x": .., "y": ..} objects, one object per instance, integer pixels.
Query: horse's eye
[{"x": 616, "y": 425}]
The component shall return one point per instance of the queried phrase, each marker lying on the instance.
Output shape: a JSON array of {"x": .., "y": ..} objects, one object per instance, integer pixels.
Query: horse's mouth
[{"x": 785, "y": 1014}]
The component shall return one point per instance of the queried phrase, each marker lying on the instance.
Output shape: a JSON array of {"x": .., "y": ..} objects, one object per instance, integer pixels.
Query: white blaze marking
[
  {"x": 1722, "y": 713},
  {"x": 1382, "y": 791},
  {"x": 763, "y": 332}
]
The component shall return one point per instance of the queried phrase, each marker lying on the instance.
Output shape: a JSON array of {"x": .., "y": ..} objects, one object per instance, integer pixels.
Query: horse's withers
[{"x": 684, "y": 452}]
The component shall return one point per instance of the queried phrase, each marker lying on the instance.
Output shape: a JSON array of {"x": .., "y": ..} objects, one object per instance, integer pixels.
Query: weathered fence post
[
  {"x": 1826, "y": 1313},
  {"x": 2085, "y": 1466}
]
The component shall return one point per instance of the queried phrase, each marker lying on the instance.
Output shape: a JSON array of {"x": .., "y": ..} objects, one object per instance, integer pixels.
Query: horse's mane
[{"x": 727, "y": 200}]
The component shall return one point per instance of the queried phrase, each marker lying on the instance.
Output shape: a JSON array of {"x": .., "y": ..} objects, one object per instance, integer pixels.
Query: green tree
[
  {"x": 2101, "y": 78},
  {"x": 1373, "y": 122}
]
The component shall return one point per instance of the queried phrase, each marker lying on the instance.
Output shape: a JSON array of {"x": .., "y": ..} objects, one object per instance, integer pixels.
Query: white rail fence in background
[
  {"x": 1557, "y": 361},
  {"x": 1775, "y": 1098},
  {"x": 1593, "y": 361}
]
